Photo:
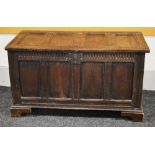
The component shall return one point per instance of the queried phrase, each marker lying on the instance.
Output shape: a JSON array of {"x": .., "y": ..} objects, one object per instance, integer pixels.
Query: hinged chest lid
[{"x": 79, "y": 41}]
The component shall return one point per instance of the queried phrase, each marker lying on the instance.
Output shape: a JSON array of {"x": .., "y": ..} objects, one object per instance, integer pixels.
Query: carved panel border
[
  {"x": 43, "y": 56},
  {"x": 77, "y": 57},
  {"x": 109, "y": 57}
]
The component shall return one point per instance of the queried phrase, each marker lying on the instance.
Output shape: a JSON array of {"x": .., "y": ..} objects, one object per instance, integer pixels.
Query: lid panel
[
  {"x": 126, "y": 41},
  {"x": 61, "y": 40},
  {"x": 33, "y": 39},
  {"x": 95, "y": 40},
  {"x": 79, "y": 41}
]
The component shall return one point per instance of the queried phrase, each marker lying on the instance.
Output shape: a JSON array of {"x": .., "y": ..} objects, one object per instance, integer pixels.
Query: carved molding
[
  {"x": 109, "y": 57},
  {"x": 44, "y": 56},
  {"x": 77, "y": 58}
]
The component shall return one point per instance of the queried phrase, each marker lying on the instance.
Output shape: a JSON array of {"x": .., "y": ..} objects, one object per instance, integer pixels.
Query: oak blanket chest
[{"x": 77, "y": 70}]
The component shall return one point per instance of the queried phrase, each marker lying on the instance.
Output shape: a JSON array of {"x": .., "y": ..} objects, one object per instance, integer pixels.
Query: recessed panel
[
  {"x": 91, "y": 80},
  {"x": 122, "y": 81},
  {"x": 59, "y": 80},
  {"x": 125, "y": 41},
  {"x": 61, "y": 40},
  {"x": 30, "y": 78},
  {"x": 96, "y": 41},
  {"x": 33, "y": 39}
]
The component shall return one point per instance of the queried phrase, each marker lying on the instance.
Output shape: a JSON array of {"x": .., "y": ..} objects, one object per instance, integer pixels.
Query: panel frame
[
  {"x": 108, "y": 59},
  {"x": 15, "y": 57},
  {"x": 138, "y": 80},
  {"x": 44, "y": 58},
  {"x": 14, "y": 77}
]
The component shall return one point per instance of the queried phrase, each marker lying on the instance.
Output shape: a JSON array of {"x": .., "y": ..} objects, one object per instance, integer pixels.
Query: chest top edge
[{"x": 79, "y": 41}]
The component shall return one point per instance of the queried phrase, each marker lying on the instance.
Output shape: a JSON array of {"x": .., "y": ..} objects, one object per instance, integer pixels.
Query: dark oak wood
[
  {"x": 135, "y": 116},
  {"x": 77, "y": 70},
  {"x": 91, "y": 85},
  {"x": 18, "y": 111},
  {"x": 29, "y": 81},
  {"x": 120, "y": 89}
]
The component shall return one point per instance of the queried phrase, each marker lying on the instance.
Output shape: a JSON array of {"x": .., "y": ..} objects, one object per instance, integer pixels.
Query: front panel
[
  {"x": 92, "y": 80},
  {"x": 29, "y": 72},
  {"x": 122, "y": 81},
  {"x": 107, "y": 78},
  {"x": 44, "y": 77},
  {"x": 59, "y": 80}
]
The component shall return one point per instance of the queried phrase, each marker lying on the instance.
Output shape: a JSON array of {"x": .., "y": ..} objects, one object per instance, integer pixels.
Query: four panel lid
[{"x": 79, "y": 41}]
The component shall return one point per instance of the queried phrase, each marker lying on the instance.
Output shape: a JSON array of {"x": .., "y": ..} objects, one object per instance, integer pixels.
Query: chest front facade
[{"x": 109, "y": 80}]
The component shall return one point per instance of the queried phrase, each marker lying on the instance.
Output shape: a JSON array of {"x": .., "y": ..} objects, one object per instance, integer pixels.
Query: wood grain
[
  {"x": 89, "y": 41},
  {"x": 122, "y": 79}
]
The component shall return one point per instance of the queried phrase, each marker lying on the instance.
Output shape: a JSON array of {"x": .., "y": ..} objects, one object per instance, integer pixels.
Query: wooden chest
[{"x": 77, "y": 70}]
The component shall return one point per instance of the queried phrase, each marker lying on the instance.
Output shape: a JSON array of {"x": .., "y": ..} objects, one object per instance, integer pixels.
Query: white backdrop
[{"x": 77, "y": 13}]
